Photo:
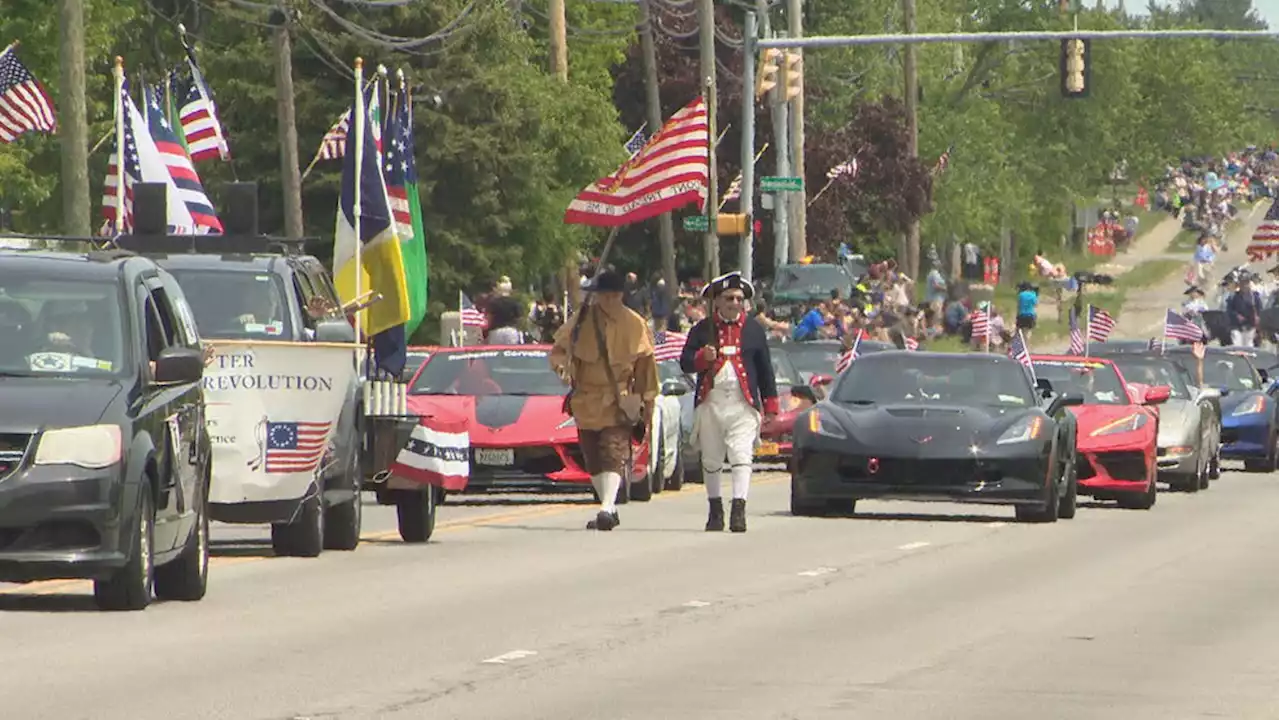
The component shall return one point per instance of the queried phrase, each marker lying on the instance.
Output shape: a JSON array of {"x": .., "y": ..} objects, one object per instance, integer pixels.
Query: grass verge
[{"x": 1184, "y": 241}]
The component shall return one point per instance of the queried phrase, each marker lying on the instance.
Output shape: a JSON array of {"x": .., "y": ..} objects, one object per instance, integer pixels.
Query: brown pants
[{"x": 607, "y": 450}]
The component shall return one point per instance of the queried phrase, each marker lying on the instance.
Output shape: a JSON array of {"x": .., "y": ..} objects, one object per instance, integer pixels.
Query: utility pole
[
  {"x": 746, "y": 244},
  {"x": 653, "y": 116},
  {"x": 287, "y": 127},
  {"x": 73, "y": 119},
  {"x": 707, "y": 43},
  {"x": 909, "y": 257},
  {"x": 799, "y": 243},
  {"x": 559, "y": 43}
]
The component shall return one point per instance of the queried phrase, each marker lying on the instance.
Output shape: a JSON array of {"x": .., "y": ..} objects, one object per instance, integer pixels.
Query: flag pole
[
  {"x": 120, "y": 149},
  {"x": 987, "y": 347},
  {"x": 357, "y": 124},
  {"x": 12, "y": 46},
  {"x": 1088, "y": 327}
]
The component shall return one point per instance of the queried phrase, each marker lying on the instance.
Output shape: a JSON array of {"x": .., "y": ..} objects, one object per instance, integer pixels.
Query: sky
[{"x": 1268, "y": 10}]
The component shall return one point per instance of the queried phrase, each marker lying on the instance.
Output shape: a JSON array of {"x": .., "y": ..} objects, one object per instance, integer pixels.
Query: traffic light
[
  {"x": 793, "y": 75},
  {"x": 731, "y": 224},
  {"x": 767, "y": 77},
  {"x": 1074, "y": 68}
]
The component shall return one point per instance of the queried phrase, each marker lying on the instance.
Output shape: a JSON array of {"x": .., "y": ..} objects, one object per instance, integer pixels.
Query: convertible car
[
  {"x": 937, "y": 427},
  {"x": 1187, "y": 443},
  {"x": 1249, "y": 422},
  {"x": 521, "y": 438},
  {"x": 1116, "y": 433}
]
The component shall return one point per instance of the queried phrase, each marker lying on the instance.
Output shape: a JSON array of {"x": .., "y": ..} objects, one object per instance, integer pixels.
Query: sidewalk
[{"x": 1144, "y": 309}]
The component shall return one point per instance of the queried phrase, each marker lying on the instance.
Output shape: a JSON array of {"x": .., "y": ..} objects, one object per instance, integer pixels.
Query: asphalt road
[{"x": 515, "y": 611}]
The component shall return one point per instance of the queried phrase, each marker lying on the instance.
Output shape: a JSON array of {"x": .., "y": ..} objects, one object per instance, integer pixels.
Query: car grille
[
  {"x": 898, "y": 471},
  {"x": 13, "y": 448},
  {"x": 525, "y": 461},
  {"x": 1124, "y": 465}
]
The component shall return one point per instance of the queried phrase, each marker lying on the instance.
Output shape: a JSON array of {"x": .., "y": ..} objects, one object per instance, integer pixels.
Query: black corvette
[{"x": 937, "y": 427}]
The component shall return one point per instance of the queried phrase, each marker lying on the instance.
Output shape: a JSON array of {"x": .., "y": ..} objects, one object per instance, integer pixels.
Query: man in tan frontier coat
[{"x": 607, "y": 410}]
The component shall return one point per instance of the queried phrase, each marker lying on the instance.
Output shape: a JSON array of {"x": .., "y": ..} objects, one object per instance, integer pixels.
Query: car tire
[
  {"x": 130, "y": 587},
  {"x": 1139, "y": 501},
  {"x": 1185, "y": 482},
  {"x": 805, "y": 507},
  {"x": 1203, "y": 476},
  {"x": 1215, "y": 461},
  {"x": 416, "y": 515},
  {"x": 1047, "y": 512},
  {"x": 187, "y": 578},
  {"x": 304, "y": 537},
  {"x": 1069, "y": 502},
  {"x": 342, "y": 524},
  {"x": 657, "y": 474}
]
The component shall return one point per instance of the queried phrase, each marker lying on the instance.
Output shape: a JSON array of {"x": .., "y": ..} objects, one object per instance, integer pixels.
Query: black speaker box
[{"x": 150, "y": 208}]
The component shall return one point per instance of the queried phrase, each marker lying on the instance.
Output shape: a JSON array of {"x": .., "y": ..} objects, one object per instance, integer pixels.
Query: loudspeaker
[
  {"x": 240, "y": 217},
  {"x": 150, "y": 208}
]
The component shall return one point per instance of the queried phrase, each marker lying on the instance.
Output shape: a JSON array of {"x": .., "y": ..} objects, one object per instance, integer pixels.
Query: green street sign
[
  {"x": 696, "y": 223},
  {"x": 781, "y": 184}
]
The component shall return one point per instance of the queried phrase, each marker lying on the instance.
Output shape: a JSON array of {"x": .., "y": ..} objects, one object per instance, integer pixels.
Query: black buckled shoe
[
  {"x": 738, "y": 516},
  {"x": 605, "y": 521},
  {"x": 715, "y": 515}
]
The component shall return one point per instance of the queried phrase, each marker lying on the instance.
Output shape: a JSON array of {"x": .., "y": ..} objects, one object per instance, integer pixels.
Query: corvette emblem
[{"x": 922, "y": 439}]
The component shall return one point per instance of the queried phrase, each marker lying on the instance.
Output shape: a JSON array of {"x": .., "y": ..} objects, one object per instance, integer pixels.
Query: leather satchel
[{"x": 630, "y": 407}]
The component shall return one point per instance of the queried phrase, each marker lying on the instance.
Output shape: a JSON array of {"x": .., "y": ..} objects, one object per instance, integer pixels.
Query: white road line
[
  {"x": 696, "y": 604},
  {"x": 913, "y": 546},
  {"x": 997, "y": 524},
  {"x": 506, "y": 657},
  {"x": 817, "y": 571}
]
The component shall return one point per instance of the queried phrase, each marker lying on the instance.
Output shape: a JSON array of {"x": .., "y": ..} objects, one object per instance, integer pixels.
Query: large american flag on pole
[
  {"x": 670, "y": 172},
  {"x": 187, "y": 182},
  {"x": 24, "y": 105},
  {"x": 1177, "y": 327},
  {"x": 142, "y": 163},
  {"x": 1266, "y": 239},
  {"x": 668, "y": 345},
  {"x": 334, "y": 144}
]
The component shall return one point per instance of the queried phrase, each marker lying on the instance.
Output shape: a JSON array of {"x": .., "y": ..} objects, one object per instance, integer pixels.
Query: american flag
[
  {"x": 735, "y": 189},
  {"x": 980, "y": 322},
  {"x": 471, "y": 315},
  {"x": 1077, "y": 339},
  {"x": 668, "y": 345},
  {"x": 910, "y": 343},
  {"x": 1266, "y": 239},
  {"x": 1100, "y": 324},
  {"x": 848, "y": 167},
  {"x": 636, "y": 143},
  {"x": 334, "y": 144},
  {"x": 295, "y": 447},
  {"x": 670, "y": 172},
  {"x": 199, "y": 118},
  {"x": 24, "y": 105},
  {"x": 142, "y": 163},
  {"x": 847, "y": 357},
  {"x": 401, "y": 169},
  {"x": 1155, "y": 344},
  {"x": 190, "y": 190},
  {"x": 1018, "y": 351},
  {"x": 1177, "y": 327}
]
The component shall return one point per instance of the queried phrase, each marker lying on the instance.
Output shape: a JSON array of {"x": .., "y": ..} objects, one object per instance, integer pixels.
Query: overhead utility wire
[{"x": 391, "y": 41}]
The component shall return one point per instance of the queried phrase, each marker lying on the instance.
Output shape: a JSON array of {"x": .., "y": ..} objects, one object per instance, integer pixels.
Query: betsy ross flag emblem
[
  {"x": 294, "y": 447},
  {"x": 670, "y": 172}
]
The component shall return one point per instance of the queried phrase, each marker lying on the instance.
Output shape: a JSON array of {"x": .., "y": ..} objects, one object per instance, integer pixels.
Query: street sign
[
  {"x": 696, "y": 223},
  {"x": 781, "y": 184}
]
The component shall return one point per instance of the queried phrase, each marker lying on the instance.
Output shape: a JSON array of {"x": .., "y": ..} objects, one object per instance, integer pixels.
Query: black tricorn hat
[
  {"x": 607, "y": 281},
  {"x": 1193, "y": 289},
  {"x": 729, "y": 281}
]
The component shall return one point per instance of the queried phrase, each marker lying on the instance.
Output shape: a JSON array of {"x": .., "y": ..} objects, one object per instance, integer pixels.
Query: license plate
[
  {"x": 767, "y": 449},
  {"x": 494, "y": 456}
]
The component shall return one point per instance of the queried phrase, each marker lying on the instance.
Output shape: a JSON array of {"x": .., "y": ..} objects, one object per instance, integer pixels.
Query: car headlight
[
  {"x": 568, "y": 423},
  {"x": 1123, "y": 425},
  {"x": 1250, "y": 407},
  {"x": 819, "y": 424},
  {"x": 1025, "y": 430},
  {"x": 92, "y": 446}
]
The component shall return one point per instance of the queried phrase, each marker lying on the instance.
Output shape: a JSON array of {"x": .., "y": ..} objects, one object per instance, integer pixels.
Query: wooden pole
[
  {"x": 73, "y": 118},
  {"x": 287, "y": 127}
]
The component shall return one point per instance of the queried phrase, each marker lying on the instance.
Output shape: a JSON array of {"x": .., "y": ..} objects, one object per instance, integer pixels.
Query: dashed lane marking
[
  {"x": 816, "y": 572},
  {"x": 913, "y": 546},
  {"x": 507, "y": 657},
  {"x": 696, "y": 604}
]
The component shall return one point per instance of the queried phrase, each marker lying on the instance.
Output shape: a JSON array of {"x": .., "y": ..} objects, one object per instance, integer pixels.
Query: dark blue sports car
[{"x": 1249, "y": 413}]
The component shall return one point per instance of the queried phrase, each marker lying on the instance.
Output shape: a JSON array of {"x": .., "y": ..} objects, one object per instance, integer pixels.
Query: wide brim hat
[
  {"x": 729, "y": 281},
  {"x": 607, "y": 281}
]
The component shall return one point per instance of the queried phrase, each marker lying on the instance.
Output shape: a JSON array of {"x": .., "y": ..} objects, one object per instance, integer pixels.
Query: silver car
[{"x": 1187, "y": 446}]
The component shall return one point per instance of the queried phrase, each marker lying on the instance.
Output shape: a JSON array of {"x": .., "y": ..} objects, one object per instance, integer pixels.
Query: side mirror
[
  {"x": 674, "y": 388},
  {"x": 178, "y": 365},
  {"x": 1263, "y": 374},
  {"x": 1065, "y": 400},
  {"x": 335, "y": 330},
  {"x": 1044, "y": 387},
  {"x": 1155, "y": 395},
  {"x": 820, "y": 380}
]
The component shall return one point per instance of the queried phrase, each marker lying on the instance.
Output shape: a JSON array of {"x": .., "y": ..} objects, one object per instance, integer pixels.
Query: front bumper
[
  {"x": 61, "y": 522},
  {"x": 1002, "y": 479},
  {"x": 1245, "y": 440},
  {"x": 1112, "y": 471}
]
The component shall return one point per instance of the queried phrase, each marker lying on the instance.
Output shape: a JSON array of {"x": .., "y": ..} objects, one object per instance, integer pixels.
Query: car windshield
[
  {"x": 58, "y": 326},
  {"x": 236, "y": 305},
  {"x": 917, "y": 378},
  {"x": 488, "y": 372},
  {"x": 810, "y": 358},
  {"x": 811, "y": 280},
  {"x": 1096, "y": 381},
  {"x": 1153, "y": 371},
  {"x": 1229, "y": 372},
  {"x": 785, "y": 373}
]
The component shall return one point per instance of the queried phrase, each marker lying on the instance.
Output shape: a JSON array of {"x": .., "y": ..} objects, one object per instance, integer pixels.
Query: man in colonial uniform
[
  {"x": 736, "y": 386},
  {"x": 607, "y": 357}
]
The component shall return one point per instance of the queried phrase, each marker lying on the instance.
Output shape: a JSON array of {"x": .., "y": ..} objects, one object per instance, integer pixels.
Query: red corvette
[
  {"x": 521, "y": 438},
  {"x": 1115, "y": 432},
  {"x": 775, "y": 435}
]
